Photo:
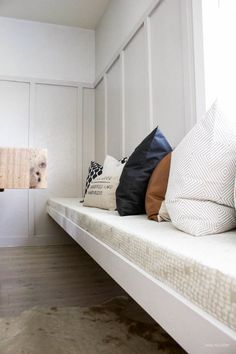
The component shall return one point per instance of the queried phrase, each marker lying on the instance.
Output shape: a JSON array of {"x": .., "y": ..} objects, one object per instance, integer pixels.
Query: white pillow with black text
[{"x": 101, "y": 192}]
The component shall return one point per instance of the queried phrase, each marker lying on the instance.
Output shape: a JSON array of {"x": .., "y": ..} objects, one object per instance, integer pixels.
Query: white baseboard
[{"x": 44, "y": 240}]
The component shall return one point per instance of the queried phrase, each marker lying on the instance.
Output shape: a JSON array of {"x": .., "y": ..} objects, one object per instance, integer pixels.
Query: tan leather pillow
[{"x": 157, "y": 186}]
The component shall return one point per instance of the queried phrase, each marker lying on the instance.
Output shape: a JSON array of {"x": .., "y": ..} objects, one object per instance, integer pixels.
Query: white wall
[
  {"x": 46, "y": 51},
  {"x": 227, "y": 55},
  {"x": 117, "y": 22},
  {"x": 149, "y": 80},
  {"x": 40, "y": 115},
  {"x": 210, "y": 21},
  {"x": 46, "y": 72},
  {"x": 219, "y": 30},
  {"x": 146, "y": 84},
  {"x": 100, "y": 123}
]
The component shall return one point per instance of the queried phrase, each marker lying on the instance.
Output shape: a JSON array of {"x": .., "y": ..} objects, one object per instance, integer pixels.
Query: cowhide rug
[{"x": 116, "y": 327}]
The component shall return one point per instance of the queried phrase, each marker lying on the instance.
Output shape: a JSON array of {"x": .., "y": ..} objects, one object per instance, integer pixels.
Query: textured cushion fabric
[
  {"x": 200, "y": 193},
  {"x": 202, "y": 269},
  {"x": 156, "y": 189},
  {"x": 130, "y": 194},
  {"x": 102, "y": 189}
]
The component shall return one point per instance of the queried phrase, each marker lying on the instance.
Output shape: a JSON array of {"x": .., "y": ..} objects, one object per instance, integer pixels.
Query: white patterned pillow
[
  {"x": 102, "y": 189},
  {"x": 200, "y": 193}
]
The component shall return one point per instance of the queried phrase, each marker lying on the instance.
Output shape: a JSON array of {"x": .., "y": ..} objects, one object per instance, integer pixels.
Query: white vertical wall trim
[
  {"x": 88, "y": 135},
  {"x": 31, "y": 213},
  {"x": 147, "y": 29},
  {"x": 198, "y": 56},
  {"x": 106, "y": 113},
  {"x": 100, "y": 122},
  {"x": 79, "y": 130},
  {"x": 192, "y": 49},
  {"x": 122, "y": 57},
  {"x": 188, "y": 64}
]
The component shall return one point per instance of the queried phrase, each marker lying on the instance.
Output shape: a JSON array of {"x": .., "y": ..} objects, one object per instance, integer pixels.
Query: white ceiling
[{"x": 81, "y": 13}]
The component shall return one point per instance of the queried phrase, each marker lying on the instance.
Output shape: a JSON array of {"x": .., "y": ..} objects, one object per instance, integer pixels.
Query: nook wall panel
[
  {"x": 48, "y": 114},
  {"x": 14, "y": 113},
  {"x": 151, "y": 84},
  {"x": 167, "y": 70},
  {"x": 14, "y": 118},
  {"x": 136, "y": 113},
  {"x": 55, "y": 128},
  {"x": 114, "y": 110},
  {"x": 100, "y": 122},
  {"x": 88, "y": 130}
]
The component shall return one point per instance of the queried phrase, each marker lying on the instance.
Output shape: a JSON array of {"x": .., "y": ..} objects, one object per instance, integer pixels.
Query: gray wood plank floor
[{"x": 51, "y": 276}]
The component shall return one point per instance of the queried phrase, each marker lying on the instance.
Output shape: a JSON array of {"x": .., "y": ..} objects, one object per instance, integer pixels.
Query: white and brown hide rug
[{"x": 119, "y": 326}]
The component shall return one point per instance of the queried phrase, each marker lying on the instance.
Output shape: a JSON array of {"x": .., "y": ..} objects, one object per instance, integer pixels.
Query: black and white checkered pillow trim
[
  {"x": 95, "y": 169},
  {"x": 123, "y": 160}
]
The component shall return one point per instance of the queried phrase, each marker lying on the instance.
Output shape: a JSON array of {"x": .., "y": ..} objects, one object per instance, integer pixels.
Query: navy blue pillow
[{"x": 130, "y": 194}]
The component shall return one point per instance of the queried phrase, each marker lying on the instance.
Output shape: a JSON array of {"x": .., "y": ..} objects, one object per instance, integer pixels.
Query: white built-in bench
[{"x": 187, "y": 284}]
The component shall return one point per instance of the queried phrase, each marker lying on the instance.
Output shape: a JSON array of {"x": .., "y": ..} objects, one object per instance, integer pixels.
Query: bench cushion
[{"x": 202, "y": 269}]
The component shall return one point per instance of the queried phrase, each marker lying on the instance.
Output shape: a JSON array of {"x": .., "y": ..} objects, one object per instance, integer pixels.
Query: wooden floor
[{"x": 51, "y": 276}]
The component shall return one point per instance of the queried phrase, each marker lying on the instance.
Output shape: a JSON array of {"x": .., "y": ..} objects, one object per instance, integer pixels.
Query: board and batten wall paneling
[
  {"x": 47, "y": 114},
  {"x": 14, "y": 114},
  {"x": 88, "y": 130},
  {"x": 157, "y": 78},
  {"x": 114, "y": 110},
  {"x": 136, "y": 112},
  {"x": 55, "y": 128},
  {"x": 100, "y": 122},
  {"x": 167, "y": 70},
  {"x": 117, "y": 22}
]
